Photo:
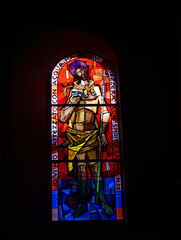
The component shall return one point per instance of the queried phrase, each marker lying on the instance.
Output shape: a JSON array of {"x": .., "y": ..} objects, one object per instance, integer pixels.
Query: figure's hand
[
  {"x": 103, "y": 141},
  {"x": 74, "y": 99}
]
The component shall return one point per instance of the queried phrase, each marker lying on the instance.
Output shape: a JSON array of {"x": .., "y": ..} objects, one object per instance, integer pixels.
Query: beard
[{"x": 82, "y": 77}]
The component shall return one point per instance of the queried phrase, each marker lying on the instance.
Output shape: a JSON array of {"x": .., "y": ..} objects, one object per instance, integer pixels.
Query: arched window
[{"x": 85, "y": 133}]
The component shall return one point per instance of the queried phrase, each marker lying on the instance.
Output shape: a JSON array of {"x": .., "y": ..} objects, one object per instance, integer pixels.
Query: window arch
[{"x": 85, "y": 134}]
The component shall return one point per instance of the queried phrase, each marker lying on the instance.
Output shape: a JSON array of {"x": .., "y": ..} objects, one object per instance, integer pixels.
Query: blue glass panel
[
  {"x": 118, "y": 199},
  {"x": 54, "y": 199}
]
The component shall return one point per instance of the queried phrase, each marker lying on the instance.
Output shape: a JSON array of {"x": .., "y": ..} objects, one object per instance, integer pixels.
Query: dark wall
[{"x": 147, "y": 48}]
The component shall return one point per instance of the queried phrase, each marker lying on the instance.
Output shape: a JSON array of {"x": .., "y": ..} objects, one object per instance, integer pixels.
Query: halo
[{"x": 76, "y": 64}]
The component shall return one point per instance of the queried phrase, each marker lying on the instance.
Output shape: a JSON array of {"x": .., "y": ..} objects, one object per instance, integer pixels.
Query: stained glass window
[{"x": 85, "y": 135}]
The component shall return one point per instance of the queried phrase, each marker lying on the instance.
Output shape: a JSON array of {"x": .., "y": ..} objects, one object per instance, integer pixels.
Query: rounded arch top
[{"x": 98, "y": 72}]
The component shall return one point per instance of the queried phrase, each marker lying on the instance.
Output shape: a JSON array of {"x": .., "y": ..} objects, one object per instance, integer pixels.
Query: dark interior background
[{"x": 147, "y": 45}]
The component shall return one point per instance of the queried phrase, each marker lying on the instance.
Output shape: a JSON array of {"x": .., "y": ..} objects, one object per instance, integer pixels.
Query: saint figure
[{"x": 83, "y": 132}]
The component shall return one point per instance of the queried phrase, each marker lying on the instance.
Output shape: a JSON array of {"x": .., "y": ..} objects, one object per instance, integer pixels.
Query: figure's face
[{"x": 80, "y": 72}]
